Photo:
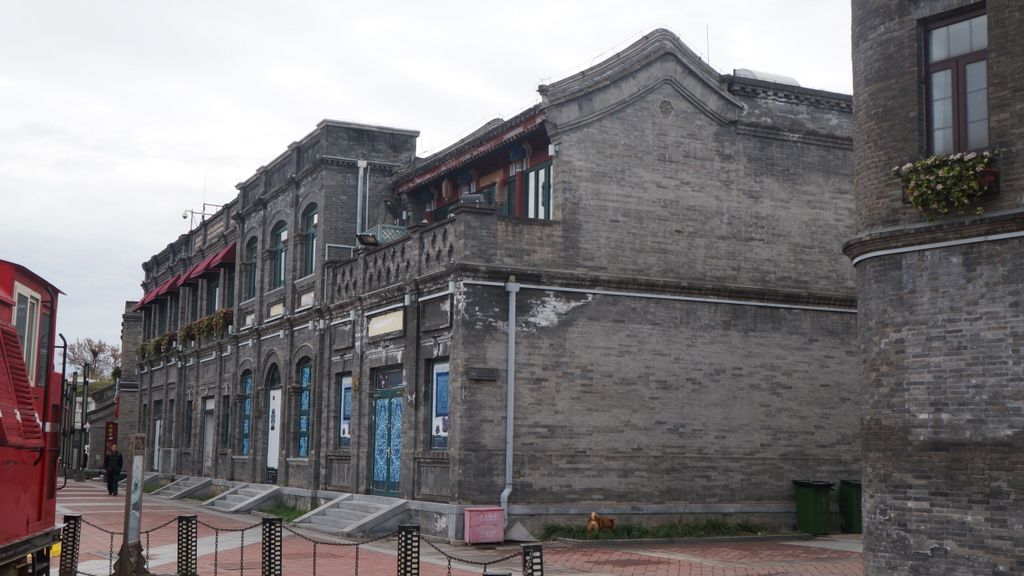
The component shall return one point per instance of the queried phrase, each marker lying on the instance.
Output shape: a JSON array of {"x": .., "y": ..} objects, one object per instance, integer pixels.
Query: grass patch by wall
[
  {"x": 284, "y": 512},
  {"x": 705, "y": 529}
]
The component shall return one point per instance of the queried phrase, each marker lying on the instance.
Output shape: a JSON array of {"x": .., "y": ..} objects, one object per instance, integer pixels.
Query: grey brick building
[
  {"x": 629, "y": 298},
  {"x": 940, "y": 300}
]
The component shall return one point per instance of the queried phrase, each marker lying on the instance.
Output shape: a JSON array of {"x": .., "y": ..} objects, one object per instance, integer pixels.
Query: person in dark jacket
[{"x": 112, "y": 465}]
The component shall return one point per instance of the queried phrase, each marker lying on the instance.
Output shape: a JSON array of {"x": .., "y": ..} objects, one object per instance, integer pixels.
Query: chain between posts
[
  {"x": 485, "y": 565},
  {"x": 316, "y": 542}
]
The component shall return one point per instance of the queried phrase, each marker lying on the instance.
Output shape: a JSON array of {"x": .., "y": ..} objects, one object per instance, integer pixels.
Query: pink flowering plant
[{"x": 939, "y": 185}]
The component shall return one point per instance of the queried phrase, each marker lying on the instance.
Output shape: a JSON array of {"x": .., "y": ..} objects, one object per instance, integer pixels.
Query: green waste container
[
  {"x": 812, "y": 505},
  {"x": 849, "y": 505}
]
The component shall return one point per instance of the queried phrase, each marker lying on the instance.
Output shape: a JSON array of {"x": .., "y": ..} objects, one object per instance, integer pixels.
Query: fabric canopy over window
[{"x": 209, "y": 264}]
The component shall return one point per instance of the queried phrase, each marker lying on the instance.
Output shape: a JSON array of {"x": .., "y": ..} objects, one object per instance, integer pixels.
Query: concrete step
[
  {"x": 249, "y": 492},
  {"x": 343, "y": 516},
  {"x": 365, "y": 508}
]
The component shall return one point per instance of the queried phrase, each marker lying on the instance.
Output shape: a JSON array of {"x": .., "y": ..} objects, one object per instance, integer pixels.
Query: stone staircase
[
  {"x": 243, "y": 497},
  {"x": 355, "y": 514},
  {"x": 183, "y": 487}
]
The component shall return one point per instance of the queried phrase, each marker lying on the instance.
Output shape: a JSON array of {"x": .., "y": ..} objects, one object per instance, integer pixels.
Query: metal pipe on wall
[{"x": 512, "y": 288}]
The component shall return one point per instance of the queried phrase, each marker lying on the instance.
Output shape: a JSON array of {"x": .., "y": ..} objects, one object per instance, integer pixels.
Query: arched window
[
  {"x": 251, "y": 258},
  {"x": 245, "y": 424},
  {"x": 278, "y": 237},
  {"x": 310, "y": 219},
  {"x": 303, "y": 424}
]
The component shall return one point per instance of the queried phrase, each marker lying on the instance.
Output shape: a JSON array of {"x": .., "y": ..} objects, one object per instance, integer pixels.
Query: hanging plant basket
[{"x": 953, "y": 184}]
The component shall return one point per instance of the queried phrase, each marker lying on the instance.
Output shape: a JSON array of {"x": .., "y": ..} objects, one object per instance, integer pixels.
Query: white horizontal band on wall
[
  {"x": 384, "y": 309},
  {"x": 435, "y": 295},
  {"x": 657, "y": 296},
  {"x": 935, "y": 245}
]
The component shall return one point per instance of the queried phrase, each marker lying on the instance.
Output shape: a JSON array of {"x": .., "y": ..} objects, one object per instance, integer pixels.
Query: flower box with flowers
[{"x": 940, "y": 185}]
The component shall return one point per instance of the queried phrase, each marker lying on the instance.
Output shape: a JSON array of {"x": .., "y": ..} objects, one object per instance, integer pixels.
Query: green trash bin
[
  {"x": 812, "y": 505},
  {"x": 849, "y": 506}
]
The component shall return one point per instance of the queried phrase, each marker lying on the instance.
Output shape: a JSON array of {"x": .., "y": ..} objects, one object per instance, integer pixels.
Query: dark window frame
[
  {"x": 957, "y": 65},
  {"x": 310, "y": 222},
  {"x": 278, "y": 245},
  {"x": 252, "y": 256}
]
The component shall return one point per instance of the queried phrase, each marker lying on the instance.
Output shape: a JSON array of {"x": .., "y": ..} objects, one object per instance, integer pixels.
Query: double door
[{"x": 387, "y": 442}]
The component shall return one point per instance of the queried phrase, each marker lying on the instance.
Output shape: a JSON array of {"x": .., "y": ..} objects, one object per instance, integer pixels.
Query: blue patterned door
[{"x": 387, "y": 444}]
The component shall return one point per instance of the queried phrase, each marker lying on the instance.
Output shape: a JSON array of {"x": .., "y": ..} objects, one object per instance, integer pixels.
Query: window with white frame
[
  {"x": 26, "y": 321},
  {"x": 538, "y": 192},
  {"x": 344, "y": 410}
]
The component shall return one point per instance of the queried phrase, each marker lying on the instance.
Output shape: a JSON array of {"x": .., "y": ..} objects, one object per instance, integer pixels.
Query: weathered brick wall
[
  {"x": 628, "y": 400},
  {"x": 659, "y": 189},
  {"x": 940, "y": 327},
  {"x": 944, "y": 413}
]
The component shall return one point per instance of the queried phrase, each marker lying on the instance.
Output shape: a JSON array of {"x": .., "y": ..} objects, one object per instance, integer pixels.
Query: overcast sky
[{"x": 117, "y": 116}]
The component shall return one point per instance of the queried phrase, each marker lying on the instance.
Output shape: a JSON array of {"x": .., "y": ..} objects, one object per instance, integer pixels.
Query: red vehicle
[{"x": 30, "y": 416}]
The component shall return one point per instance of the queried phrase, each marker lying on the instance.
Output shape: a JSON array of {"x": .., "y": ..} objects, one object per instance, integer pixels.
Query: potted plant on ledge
[{"x": 941, "y": 184}]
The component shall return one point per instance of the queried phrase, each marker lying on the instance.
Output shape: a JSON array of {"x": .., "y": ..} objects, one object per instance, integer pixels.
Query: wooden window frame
[{"x": 957, "y": 65}]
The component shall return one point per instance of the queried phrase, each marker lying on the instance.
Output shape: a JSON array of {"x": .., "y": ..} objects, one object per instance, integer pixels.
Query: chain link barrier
[
  {"x": 273, "y": 529},
  {"x": 485, "y": 564},
  {"x": 316, "y": 543}
]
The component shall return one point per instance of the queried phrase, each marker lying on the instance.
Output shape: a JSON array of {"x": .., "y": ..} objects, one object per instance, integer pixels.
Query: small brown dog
[{"x": 599, "y": 524}]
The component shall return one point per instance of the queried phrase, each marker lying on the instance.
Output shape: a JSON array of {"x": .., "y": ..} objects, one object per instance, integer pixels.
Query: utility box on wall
[{"x": 484, "y": 525}]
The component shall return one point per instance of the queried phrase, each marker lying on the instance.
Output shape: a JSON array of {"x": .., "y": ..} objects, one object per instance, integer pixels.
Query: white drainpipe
[
  {"x": 359, "y": 196},
  {"x": 510, "y": 391}
]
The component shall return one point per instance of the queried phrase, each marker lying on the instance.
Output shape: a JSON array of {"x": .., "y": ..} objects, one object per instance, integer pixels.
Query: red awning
[
  {"x": 223, "y": 256},
  {"x": 209, "y": 264},
  {"x": 162, "y": 289}
]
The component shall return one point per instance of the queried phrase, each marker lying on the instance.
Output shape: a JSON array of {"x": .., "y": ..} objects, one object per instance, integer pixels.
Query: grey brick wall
[{"x": 939, "y": 325}]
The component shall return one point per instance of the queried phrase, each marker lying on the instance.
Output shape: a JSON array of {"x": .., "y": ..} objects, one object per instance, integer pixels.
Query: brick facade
[
  {"x": 685, "y": 319},
  {"x": 938, "y": 313}
]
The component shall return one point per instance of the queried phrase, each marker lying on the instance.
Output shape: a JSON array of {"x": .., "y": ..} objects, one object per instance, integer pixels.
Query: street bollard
[
  {"x": 533, "y": 560},
  {"x": 187, "y": 545},
  {"x": 408, "y": 550},
  {"x": 69, "y": 540},
  {"x": 271, "y": 547}
]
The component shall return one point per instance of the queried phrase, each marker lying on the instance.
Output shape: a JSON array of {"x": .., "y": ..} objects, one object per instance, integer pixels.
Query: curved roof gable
[{"x": 657, "y": 59}]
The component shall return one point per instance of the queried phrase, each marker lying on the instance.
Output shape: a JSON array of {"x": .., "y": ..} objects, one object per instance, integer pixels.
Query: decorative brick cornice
[
  {"x": 787, "y": 93},
  {"x": 931, "y": 233}
]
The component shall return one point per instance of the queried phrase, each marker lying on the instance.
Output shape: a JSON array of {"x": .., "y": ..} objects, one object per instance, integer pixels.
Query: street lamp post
[{"x": 84, "y": 427}]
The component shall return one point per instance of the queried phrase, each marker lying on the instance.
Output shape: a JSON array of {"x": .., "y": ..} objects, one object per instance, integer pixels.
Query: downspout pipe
[
  {"x": 512, "y": 288},
  {"x": 359, "y": 195}
]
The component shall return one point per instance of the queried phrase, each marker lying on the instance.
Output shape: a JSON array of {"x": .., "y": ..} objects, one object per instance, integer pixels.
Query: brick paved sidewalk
[{"x": 237, "y": 553}]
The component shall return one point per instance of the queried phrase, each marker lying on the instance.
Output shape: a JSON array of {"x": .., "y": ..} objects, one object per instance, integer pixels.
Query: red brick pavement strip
[
  {"x": 713, "y": 559},
  {"x": 734, "y": 559},
  {"x": 107, "y": 512}
]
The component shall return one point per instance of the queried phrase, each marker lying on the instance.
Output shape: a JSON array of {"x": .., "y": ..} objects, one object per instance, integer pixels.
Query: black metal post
[
  {"x": 408, "y": 550},
  {"x": 70, "y": 537},
  {"x": 84, "y": 423},
  {"x": 271, "y": 547},
  {"x": 533, "y": 560},
  {"x": 187, "y": 545}
]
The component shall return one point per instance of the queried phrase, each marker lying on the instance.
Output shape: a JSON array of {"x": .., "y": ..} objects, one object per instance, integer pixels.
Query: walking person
[{"x": 112, "y": 465}]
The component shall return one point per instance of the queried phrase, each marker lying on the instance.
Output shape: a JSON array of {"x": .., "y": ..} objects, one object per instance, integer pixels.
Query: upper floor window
[
  {"x": 278, "y": 237},
  {"x": 251, "y": 258},
  {"x": 538, "y": 192},
  {"x": 310, "y": 219},
  {"x": 957, "y": 83},
  {"x": 212, "y": 294}
]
